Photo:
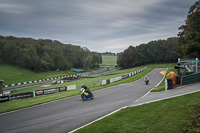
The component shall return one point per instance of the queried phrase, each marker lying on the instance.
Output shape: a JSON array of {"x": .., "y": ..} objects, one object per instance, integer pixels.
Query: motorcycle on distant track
[{"x": 85, "y": 95}]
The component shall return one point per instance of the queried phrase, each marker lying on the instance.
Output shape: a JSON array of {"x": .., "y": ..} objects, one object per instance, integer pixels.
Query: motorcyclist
[
  {"x": 86, "y": 89},
  {"x": 146, "y": 79}
]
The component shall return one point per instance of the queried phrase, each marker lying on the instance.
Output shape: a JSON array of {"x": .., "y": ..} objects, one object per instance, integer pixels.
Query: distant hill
[{"x": 109, "y": 59}]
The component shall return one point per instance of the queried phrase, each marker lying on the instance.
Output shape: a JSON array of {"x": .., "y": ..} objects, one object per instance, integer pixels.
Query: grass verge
[
  {"x": 166, "y": 116},
  {"x": 12, "y": 74}
]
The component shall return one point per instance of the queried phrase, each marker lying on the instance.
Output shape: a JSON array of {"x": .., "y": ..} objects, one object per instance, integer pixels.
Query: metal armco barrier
[
  {"x": 50, "y": 91},
  {"x": 21, "y": 96}
]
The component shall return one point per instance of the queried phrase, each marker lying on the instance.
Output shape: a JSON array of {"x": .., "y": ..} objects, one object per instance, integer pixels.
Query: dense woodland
[
  {"x": 186, "y": 45},
  {"x": 44, "y": 55}
]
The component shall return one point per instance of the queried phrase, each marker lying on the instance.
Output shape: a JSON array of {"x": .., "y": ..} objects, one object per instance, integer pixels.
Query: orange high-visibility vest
[{"x": 171, "y": 75}]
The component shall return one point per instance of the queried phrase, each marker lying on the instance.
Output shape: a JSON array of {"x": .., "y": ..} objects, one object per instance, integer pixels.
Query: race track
[{"x": 68, "y": 114}]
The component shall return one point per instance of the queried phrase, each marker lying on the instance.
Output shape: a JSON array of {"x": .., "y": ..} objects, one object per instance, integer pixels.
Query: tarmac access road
[{"x": 70, "y": 113}]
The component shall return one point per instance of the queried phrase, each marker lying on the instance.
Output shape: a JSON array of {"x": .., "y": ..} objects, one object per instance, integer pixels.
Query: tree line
[
  {"x": 45, "y": 55},
  {"x": 161, "y": 51},
  {"x": 186, "y": 45}
]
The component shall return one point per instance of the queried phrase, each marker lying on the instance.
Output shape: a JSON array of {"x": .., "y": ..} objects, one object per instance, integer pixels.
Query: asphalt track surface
[{"x": 70, "y": 113}]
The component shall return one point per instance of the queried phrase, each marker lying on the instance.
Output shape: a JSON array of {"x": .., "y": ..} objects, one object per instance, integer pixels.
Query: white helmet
[{"x": 82, "y": 85}]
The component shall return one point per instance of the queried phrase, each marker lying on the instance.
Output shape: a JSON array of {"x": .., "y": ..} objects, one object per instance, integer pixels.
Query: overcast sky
[{"x": 99, "y": 25}]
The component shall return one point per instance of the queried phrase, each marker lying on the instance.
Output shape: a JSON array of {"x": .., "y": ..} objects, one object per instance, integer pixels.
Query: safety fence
[
  {"x": 192, "y": 78},
  {"x": 183, "y": 80},
  {"x": 36, "y": 93},
  {"x": 108, "y": 81}
]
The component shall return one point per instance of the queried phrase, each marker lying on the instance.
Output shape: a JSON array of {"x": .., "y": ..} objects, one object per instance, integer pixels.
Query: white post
[
  {"x": 166, "y": 85},
  {"x": 33, "y": 93}
]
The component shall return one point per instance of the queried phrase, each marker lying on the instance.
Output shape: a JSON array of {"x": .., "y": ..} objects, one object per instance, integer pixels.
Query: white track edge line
[{"x": 165, "y": 98}]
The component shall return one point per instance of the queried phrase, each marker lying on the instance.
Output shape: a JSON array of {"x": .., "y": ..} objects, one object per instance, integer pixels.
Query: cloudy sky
[{"x": 99, "y": 25}]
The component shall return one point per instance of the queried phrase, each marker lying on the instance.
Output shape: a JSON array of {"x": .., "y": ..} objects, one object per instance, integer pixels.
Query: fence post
[
  {"x": 166, "y": 85},
  {"x": 33, "y": 93}
]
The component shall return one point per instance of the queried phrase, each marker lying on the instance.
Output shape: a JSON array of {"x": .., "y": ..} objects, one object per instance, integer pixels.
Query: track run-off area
[{"x": 68, "y": 114}]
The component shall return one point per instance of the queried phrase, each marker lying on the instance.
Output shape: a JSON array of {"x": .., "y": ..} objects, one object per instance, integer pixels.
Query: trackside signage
[
  {"x": 21, "y": 96},
  {"x": 35, "y": 93},
  {"x": 50, "y": 91},
  {"x": 108, "y": 81}
]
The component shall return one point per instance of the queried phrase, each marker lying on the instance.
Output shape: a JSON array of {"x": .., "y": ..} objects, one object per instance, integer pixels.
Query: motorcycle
[
  {"x": 147, "y": 82},
  {"x": 85, "y": 95}
]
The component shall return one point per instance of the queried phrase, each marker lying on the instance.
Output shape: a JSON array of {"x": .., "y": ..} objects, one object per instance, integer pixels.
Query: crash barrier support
[
  {"x": 108, "y": 81},
  {"x": 192, "y": 78},
  {"x": 36, "y": 93}
]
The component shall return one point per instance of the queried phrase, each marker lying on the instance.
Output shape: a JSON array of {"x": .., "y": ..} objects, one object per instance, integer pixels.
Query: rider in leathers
[{"x": 86, "y": 88}]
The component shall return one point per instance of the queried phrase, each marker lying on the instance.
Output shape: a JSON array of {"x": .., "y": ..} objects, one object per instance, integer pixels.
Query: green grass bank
[
  {"x": 166, "y": 116},
  {"x": 12, "y": 74}
]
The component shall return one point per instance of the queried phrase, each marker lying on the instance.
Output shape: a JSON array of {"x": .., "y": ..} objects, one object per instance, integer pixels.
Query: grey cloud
[{"x": 111, "y": 24}]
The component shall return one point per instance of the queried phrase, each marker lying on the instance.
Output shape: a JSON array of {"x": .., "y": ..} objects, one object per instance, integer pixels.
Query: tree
[
  {"x": 87, "y": 62},
  {"x": 30, "y": 58},
  {"x": 153, "y": 52},
  {"x": 189, "y": 36},
  {"x": 45, "y": 54},
  {"x": 127, "y": 58}
]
